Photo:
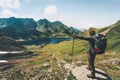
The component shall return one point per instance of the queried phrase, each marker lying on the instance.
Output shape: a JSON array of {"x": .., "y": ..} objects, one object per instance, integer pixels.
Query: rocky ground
[{"x": 79, "y": 72}]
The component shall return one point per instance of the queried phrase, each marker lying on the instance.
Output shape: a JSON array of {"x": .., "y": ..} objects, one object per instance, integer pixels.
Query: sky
[{"x": 81, "y": 14}]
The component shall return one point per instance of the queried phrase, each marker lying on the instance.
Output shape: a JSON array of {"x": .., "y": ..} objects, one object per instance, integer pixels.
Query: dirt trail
[{"x": 78, "y": 72}]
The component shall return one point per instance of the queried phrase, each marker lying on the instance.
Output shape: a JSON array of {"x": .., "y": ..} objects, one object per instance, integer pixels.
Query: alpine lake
[{"x": 44, "y": 40}]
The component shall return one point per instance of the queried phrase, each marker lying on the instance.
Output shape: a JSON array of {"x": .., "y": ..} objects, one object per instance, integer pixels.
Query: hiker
[{"x": 92, "y": 55}]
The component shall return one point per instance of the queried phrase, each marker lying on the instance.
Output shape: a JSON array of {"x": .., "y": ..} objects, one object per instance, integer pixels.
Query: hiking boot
[
  {"x": 89, "y": 68},
  {"x": 91, "y": 76}
]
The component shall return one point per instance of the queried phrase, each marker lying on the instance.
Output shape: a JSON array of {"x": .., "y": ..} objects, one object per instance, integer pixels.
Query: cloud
[
  {"x": 10, "y": 4},
  {"x": 50, "y": 10},
  {"x": 8, "y": 13}
]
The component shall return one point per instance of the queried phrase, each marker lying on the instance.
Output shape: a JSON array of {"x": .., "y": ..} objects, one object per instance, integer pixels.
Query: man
[{"x": 91, "y": 52}]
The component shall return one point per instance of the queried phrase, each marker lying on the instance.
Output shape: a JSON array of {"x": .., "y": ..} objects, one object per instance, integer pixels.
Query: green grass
[
  {"x": 33, "y": 68},
  {"x": 71, "y": 76}
]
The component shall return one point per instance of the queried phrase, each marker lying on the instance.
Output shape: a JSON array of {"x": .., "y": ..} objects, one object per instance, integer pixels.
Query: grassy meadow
[
  {"x": 46, "y": 61},
  {"x": 42, "y": 62}
]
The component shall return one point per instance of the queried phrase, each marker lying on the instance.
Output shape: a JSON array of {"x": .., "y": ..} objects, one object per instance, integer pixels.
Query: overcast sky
[{"x": 81, "y": 14}]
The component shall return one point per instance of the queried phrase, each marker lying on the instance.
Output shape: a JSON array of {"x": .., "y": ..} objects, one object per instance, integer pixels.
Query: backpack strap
[{"x": 94, "y": 37}]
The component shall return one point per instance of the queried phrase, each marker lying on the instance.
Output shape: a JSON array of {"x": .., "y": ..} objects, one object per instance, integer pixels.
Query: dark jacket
[{"x": 91, "y": 41}]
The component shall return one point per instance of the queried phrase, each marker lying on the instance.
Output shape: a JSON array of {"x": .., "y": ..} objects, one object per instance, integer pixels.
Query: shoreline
[
  {"x": 3, "y": 61},
  {"x": 6, "y": 52}
]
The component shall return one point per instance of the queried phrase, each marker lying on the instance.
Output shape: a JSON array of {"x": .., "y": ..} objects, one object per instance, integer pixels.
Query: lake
[{"x": 44, "y": 40}]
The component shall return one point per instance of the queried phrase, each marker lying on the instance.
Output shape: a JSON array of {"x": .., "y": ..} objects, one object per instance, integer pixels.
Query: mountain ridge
[{"x": 28, "y": 28}]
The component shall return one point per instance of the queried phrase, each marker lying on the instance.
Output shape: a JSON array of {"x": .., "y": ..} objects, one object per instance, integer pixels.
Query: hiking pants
[{"x": 91, "y": 58}]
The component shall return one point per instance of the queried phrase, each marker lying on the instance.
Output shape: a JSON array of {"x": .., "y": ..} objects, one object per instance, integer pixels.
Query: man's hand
[{"x": 74, "y": 35}]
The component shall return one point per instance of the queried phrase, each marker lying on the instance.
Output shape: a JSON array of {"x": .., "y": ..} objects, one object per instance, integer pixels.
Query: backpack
[{"x": 100, "y": 44}]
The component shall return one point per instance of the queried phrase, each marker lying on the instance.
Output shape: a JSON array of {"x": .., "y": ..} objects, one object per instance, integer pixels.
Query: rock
[
  {"x": 69, "y": 66},
  {"x": 81, "y": 72},
  {"x": 79, "y": 62},
  {"x": 46, "y": 64},
  {"x": 114, "y": 61}
]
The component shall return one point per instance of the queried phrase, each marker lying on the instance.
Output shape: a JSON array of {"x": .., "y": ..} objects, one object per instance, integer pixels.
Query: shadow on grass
[{"x": 103, "y": 74}]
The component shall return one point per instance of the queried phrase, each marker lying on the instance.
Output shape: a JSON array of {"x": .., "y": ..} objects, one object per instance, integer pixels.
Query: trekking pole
[
  {"x": 71, "y": 56},
  {"x": 72, "y": 50}
]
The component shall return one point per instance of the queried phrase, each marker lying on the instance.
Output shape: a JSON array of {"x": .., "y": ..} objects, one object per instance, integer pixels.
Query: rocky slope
[
  {"x": 9, "y": 44},
  {"x": 55, "y": 29},
  {"x": 28, "y": 28}
]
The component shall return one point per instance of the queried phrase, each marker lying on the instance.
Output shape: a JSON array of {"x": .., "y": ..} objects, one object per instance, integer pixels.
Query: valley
[{"x": 55, "y": 61}]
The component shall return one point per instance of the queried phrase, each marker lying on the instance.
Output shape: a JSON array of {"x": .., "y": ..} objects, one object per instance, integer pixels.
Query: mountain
[
  {"x": 29, "y": 29},
  {"x": 19, "y": 24},
  {"x": 113, "y": 36},
  {"x": 72, "y": 29},
  {"x": 44, "y": 25},
  {"x": 53, "y": 61},
  {"x": 9, "y": 44},
  {"x": 17, "y": 27},
  {"x": 56, "y": 28},
  {"x": 53, "y": 27}
]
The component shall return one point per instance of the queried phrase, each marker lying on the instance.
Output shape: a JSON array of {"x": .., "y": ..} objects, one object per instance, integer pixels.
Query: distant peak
[
  {"x": 44, "y": 20},
  {"x": 118, "y": 21},
  {"x": 12, "y": 17}
]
